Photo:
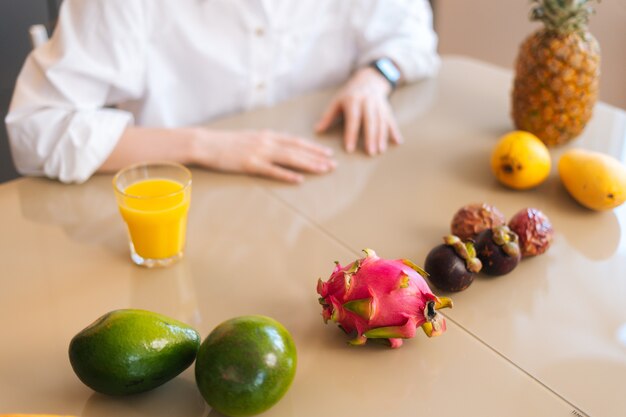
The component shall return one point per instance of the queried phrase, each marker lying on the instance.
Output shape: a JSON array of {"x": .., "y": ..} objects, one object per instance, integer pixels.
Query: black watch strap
[{"x": 387, "y": 69}]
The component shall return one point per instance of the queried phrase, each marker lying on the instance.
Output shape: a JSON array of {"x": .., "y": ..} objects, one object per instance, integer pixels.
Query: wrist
[
  {"x": 374, "y": 79},
  {"x": 203, "y": 146},
  {"x": 192, "y": 138}
]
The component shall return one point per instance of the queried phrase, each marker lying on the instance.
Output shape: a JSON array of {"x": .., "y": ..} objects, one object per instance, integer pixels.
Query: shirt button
[
  {"x": 260, "y": 86},
  {"x": 259, "y": 31}
]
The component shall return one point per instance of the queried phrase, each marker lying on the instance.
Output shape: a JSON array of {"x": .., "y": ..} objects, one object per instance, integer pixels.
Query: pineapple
[{"x": 557, "y": 72}]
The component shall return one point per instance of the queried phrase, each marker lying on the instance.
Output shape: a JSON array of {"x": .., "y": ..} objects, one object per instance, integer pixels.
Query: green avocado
[
  {"x": 246, "y": 365},
  {"x": 131, "y": 351}
]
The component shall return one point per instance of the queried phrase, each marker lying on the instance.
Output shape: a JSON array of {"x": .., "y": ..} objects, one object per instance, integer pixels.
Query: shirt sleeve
[
  {"x": 401, "y": 30},
  {"x": 61, "y": 122}
]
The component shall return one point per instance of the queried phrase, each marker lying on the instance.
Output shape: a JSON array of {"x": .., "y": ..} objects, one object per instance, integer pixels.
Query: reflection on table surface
[{"x": 547, "y": 339}]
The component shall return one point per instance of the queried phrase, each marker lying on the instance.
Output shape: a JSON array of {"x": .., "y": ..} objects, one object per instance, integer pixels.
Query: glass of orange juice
[{"x": 153, "y": 199}]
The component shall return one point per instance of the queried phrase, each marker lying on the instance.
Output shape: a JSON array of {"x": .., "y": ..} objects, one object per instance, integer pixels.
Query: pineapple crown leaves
[{"x": 563, "y": 16}]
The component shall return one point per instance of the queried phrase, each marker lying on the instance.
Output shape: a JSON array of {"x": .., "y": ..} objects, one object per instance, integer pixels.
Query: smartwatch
[{"x": 387, "y": 69}]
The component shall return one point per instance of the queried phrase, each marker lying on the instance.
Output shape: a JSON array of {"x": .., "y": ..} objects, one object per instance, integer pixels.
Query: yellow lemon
[
  {"x": 520, "y": 160},
  {"x": 595, "y": 180}
]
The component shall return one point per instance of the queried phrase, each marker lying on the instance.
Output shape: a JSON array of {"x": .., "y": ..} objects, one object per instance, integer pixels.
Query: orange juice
[{"x": 155, "y": 211}]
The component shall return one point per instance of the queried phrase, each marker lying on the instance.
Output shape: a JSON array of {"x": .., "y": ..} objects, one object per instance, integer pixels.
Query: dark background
[{"x": 16, "y": 16}]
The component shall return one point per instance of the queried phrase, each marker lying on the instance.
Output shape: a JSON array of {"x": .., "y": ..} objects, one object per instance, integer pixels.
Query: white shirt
[{"x": 171, "y": 63}]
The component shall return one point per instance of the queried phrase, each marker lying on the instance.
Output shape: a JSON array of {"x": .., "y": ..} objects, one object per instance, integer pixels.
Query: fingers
[
  {"x": 373, "y": 117},
  {"x": 371, "y": 124},
  {"x": 265, "y": 152},
  {"x": 352, "y": 116},
  {"x": 383, "y": 135},
  {"x": 351, "y": 110},
  {"x": 278, "y": 167},
  {"x": 394, "y": 132},
  {"x": 284, "y": 157},
  {"x": 302, "y": 160},
  {"x": 332, "y": 112},
  {"x": 279, "y": 173},
  {"x": 380, "y": 127},
  {"x": 307, "y": 145},
  {"x": 303, "y": 155}
]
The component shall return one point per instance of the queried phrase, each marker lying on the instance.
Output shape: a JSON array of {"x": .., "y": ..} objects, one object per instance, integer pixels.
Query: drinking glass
[{"x": 153, "y": 199}]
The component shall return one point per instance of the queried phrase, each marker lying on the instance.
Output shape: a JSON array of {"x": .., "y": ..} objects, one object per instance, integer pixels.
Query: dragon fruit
[{"x": 374, "y": 298}]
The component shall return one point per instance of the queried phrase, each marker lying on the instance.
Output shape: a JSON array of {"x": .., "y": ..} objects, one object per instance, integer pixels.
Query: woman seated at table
[{"x": 124, "y": 81}]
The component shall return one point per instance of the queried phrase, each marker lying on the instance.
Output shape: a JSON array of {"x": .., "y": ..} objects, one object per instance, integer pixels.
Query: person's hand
[
  {"x": 267, "y": 153},
  {"x": 363, "y": 102}
]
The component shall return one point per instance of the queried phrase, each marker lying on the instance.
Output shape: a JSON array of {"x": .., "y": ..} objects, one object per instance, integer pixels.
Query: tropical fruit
[
  {"x": 534, "y": 231},
  {"x": 375, "y": 298},
  {"x": 520, "y": 160},
  {"x": 498, "y": 250},
  {"x": 472, "y": 219},
  {"x": 130, "y": 351},
  {"x": 595, "y": 180},
  {"x": 453, "y": 265},
  {"x": 246, "y": 365},
  {"x": 557, "y": 72}
]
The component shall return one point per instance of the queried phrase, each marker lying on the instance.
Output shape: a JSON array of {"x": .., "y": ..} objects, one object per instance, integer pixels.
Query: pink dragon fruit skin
[{"x": 377, "y": 298}]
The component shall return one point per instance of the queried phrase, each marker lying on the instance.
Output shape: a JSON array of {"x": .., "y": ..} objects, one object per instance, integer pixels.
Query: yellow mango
[{"x": 595, "y": 180}]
